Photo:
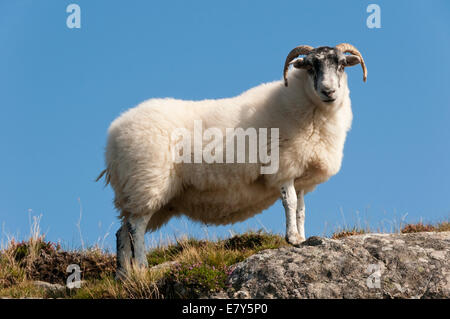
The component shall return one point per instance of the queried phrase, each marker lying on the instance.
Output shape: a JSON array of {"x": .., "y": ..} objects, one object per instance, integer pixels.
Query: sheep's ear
[
  {"x": 300, "y": 64},
  {"x": 351, "y": 60}
]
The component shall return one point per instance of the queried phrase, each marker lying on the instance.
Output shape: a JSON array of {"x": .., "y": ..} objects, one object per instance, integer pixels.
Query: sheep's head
[{"x": 325, "y": 67}]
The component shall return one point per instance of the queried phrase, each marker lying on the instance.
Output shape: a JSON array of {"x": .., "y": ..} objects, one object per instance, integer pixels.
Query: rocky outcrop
[{"x": 364, "y": 266}]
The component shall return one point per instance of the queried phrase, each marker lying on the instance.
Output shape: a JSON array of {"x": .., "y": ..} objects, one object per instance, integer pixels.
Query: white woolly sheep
[{"x": 312, "y": 115}]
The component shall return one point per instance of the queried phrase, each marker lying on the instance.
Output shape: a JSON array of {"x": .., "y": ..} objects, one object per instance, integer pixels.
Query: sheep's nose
[{"x": 328, "y": 92}]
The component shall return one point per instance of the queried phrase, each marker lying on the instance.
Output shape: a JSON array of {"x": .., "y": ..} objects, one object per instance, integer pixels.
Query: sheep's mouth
[{"x": 329, "y": 100}]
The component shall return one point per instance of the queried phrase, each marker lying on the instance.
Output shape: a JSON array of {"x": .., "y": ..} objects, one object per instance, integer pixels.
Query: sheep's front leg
[
  {"x": 289, "y": 199},
  {"x": 301, "y": 215},
  {"x": 137, "y": 226}
]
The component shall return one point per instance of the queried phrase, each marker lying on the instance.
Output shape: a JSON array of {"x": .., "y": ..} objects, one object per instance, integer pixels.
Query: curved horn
[
  {"x": 348, "y": 48},
  {"x": 300, "y": 50}
]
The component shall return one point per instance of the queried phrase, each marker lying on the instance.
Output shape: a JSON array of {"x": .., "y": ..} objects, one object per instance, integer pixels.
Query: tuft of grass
[
  {"x": 420, "y": 227},
  {"x": 444, "y": 226},
  {"x": 139, "y": 284},
  {"x": 254, "y": 241},
  {"x": 11, "y": 273},
  {"x": 348, "y": 232},
  {"x": 216, "y": 253},
  {"x": 408, "y": 228},
  {"x": 23, "y": 289},
  {"x": 187, "y": 280},
  {"x": 170, "y": 252}
]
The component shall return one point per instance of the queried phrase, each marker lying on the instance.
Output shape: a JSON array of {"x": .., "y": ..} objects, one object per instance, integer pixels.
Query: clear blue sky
[{"x": 60, "y": 88}]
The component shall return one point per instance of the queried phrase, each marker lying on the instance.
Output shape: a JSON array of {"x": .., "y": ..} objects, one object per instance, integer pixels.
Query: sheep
[{"x": 311, "y": 112}]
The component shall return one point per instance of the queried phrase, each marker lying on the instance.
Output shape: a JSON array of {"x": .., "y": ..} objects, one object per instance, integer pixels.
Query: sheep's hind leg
[
  {"x": 301, "y": 214},
  {"x": 137, "y": 226},
  {"x": 123, "y": 245},
  {"x": 289, "y": 199}
]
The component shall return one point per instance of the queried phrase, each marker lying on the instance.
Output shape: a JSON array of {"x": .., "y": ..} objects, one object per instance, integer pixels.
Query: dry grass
[
  {"x": 139, "y": 284},
  {"x": 408, "y": 228},
  {"x": 420, "y": 227},
  {"x": 198, "y": 267},
  {"x": 348, "y": 232}
]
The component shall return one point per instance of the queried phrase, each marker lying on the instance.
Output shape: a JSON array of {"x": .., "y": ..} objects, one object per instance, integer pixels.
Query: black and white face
[{"x": 325, "y": 67}]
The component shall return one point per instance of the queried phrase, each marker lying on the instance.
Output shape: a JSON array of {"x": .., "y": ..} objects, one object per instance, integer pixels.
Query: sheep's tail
[{"x": 107, "y": 176}]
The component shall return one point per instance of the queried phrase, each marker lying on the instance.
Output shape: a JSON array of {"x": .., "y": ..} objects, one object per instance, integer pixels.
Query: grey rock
[
  {"x": 164, "y": 266},
  {"x": 49, "y": 287},
  {"x": 364, "y": 266}
]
